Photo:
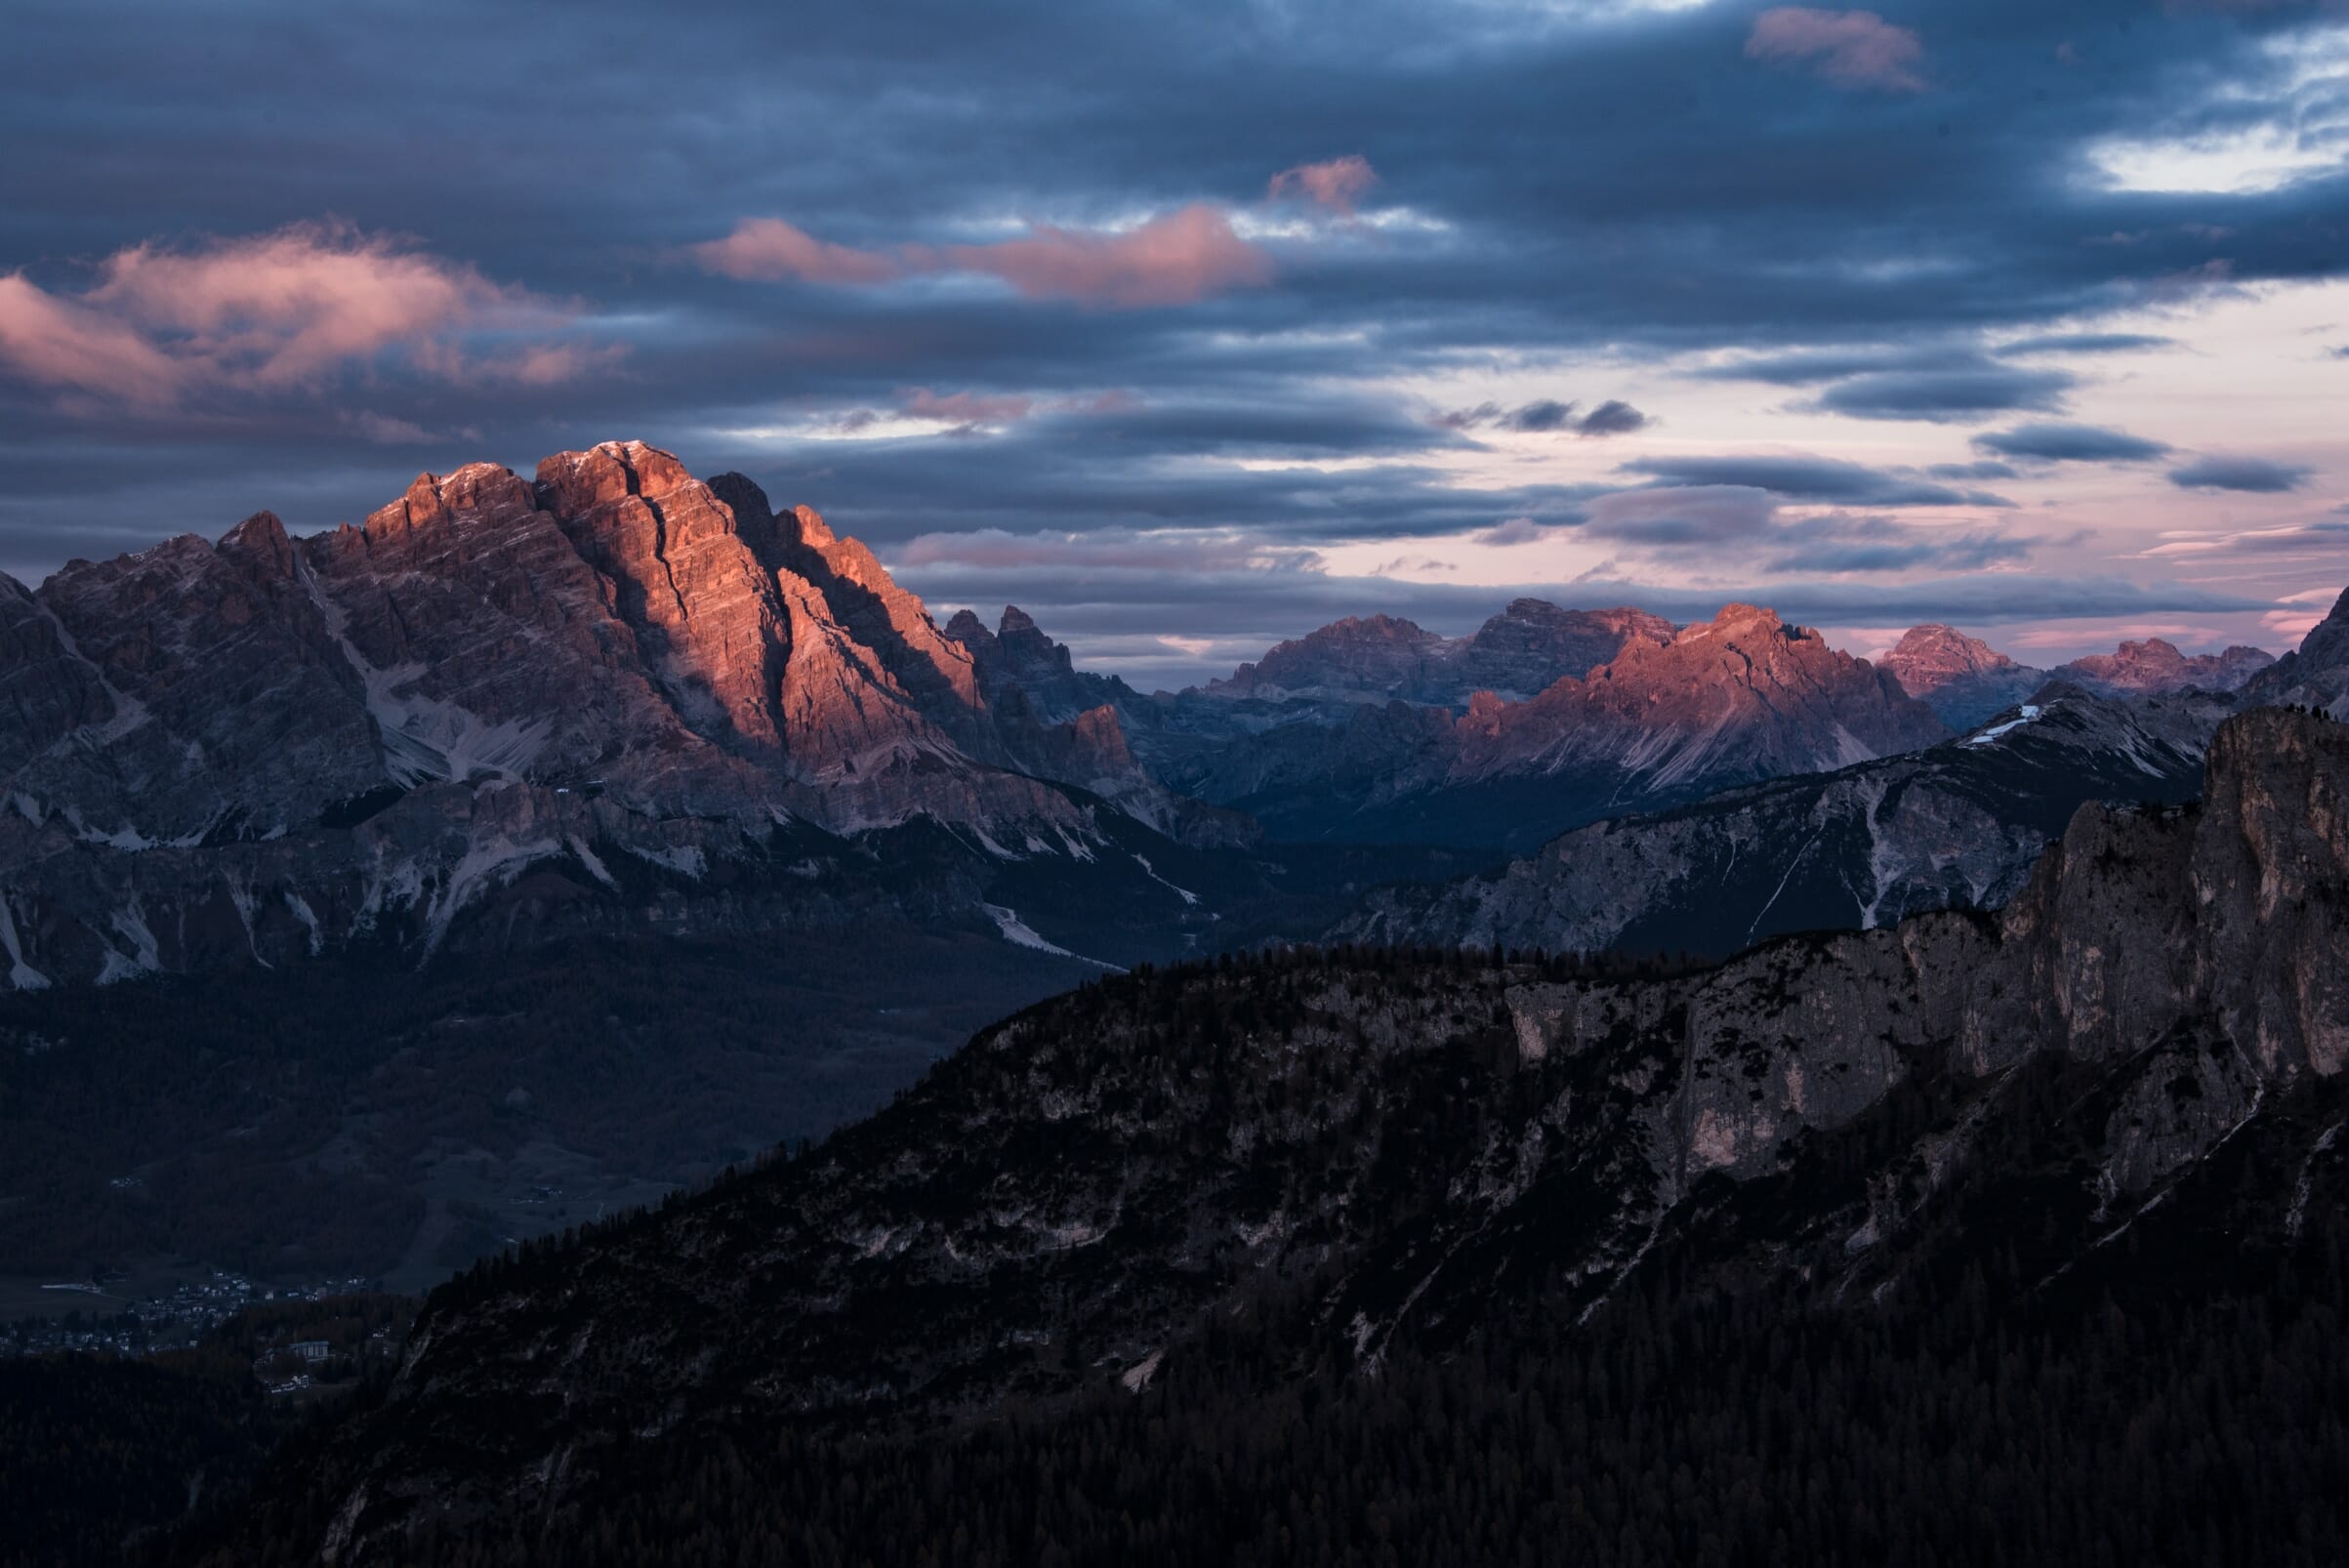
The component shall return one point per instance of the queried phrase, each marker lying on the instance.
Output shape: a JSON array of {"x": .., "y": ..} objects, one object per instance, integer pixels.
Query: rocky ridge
[
  {"x": 2316, "y": 674},
  {"x": 1527, "y": 648},
  {"x": 1719, "y": 703},
  {"x": 1966, "y": 681},
  {"x": 1958, "y": 825},
  {"x": 267, "y": 746}
]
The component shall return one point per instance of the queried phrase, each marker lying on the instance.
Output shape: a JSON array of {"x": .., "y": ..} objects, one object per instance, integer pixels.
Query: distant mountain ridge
[
  {"x": 1523, "y": 650},
  {"x": 498, "y": 704},
  {"x": 1956, "y": 825},
  {"x": 1966, "y": 681},
  {"x": 1712, "y": 705}
]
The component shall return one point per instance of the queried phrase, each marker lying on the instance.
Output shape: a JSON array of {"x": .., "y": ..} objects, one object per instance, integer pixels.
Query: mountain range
[
  {"x": 557, "y": 872},
  {"x": 510, "y": 741},
  {"x": 616, "y": 698},
  {"x": 1966, "y": 681},
  {"x": 1955, "y": 825},
  {"x": 504, "y": 708}
]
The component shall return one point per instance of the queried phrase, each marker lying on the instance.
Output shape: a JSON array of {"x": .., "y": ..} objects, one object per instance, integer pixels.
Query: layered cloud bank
[{"x": 1996, "y": 308}]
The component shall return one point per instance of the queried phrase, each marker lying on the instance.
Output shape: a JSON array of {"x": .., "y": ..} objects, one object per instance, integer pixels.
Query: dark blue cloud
[
  {"x": 1947, "y": 397},
  {"x": 1812, "y": 478},
  {"x": 2085, "y": 343},
  {"x": 1547, "y": 414},
  {"x": 2071, "y": 443},
  {"x": 2256, "y": 475},
  {"x": 1613, "y": 417},
  {"x": 1544, "y": 415}
]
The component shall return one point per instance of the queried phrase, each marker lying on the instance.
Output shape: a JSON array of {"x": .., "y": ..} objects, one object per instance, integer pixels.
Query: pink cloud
[
  {"x": 1850, "y": 48},
  {"x": 1336, "y": 183},
  {"x": 1178, "y": 259},
  {"x": 264, "y": 314},
  {"x": 769, "y": 250},
  {"x": 964, "y": 407},
  {"x": 56, "y": 342}
]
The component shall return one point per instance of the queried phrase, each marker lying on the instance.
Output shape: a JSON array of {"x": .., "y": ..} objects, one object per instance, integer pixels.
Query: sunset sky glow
[{"x": 1191, "y": 326}]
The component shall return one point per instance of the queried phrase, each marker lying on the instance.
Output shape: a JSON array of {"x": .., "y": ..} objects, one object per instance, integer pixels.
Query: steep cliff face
[
  {"x": 1083, "y": 1189},
  {"x": 1956, "y": 825},
  {"x": 270, "y": 746}
]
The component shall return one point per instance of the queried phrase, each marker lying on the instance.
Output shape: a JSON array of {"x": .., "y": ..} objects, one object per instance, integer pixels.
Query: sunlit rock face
[
  {"x": 1668, "y": 718},
  {"x": 1740, "y": 697},
  {"x": 1964, "y": 680},
  {"x": 1960, "y": 677},
  {"x": 2155, "y": 665},
  {"x": 267, "y": 747}
]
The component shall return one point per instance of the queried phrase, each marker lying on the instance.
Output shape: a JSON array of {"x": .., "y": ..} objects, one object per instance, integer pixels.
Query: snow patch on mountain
[{"x": 2030, "y": 712}]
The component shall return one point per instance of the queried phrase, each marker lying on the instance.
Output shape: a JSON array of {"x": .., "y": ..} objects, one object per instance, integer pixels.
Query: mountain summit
[{"x": 248, "y": 750}]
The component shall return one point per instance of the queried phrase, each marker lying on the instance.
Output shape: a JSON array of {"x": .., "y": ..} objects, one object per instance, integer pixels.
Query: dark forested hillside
[
  {"x": 2171, "y": 1402},
  {"x": 1952, "y": 1241}
]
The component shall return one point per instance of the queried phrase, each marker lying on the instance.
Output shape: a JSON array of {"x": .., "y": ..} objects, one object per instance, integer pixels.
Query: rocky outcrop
[
  {"x": 1964, "y": 680},
  {"x": 1088, "y": 1186},
  {"x": 1533, "y": 644},
  {"x": 1743, "y": 696},
  {"x": 2156, "y": 666},
  {"x": 1958, "y": 825},
  {"x": 1364, "y": 658},
  {"x": 1960, "y": 677},
  {"x": 2316, "y": 674},
  {"x": 1020, "y": 667}
]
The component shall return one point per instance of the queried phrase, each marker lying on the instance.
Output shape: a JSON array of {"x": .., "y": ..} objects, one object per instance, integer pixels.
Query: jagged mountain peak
[
  {"x": 1742, "y": 618},
  {"x": 2316, "y": 674},
  {"x": 1528, "y": 645},
  {"x": 492, "y": 654},
  {"x": 964, "y": 627},
  {"x": 1940, "y": 649}
]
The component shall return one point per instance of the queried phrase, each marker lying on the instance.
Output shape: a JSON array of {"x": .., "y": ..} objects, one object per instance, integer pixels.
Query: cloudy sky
[{"x": 1190, "y": 325}]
